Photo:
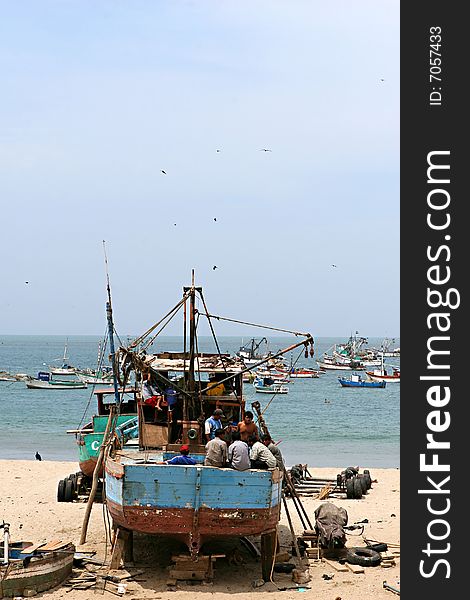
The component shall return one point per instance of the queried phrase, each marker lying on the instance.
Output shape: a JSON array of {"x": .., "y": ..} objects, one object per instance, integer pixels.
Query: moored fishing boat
[
  {"x": 356, "y": 381},
  {"x": 328, "y": 364},
  {"x": 250, "y": 353},
  {"x": 303, "y": 373},
  {"x": 65, "y": 368},
  {"x": 384, "y": 375},
  {"x": 269, "y": 385},
  {"x": 190, "y": 502},
  {"x": 44, "y": 381}
]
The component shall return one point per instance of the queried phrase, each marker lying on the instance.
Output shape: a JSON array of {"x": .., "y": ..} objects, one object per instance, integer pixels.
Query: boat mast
[
  {"x": 109, "y": 315},
  {"x": 191, "y": 380}
]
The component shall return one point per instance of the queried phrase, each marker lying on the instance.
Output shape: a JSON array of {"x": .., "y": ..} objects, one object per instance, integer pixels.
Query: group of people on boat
[{"x": 239, "y": 445}]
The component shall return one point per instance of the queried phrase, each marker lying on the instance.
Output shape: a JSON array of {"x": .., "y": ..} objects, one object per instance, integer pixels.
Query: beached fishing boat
[
  {"x": 27, "y": 569},
  {"x": 269, "y": 385},
  {"x": 356, "y": 381},
  {"x": 89, "y": 437},
  {"x": 190, "y": 502},
  {"x": 44, "y": 381}
]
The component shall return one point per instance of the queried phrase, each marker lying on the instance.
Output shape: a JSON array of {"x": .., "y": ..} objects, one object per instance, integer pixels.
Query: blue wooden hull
[
  {"x": 192, "y": 503},
  {"x": 361, "y": 383}
]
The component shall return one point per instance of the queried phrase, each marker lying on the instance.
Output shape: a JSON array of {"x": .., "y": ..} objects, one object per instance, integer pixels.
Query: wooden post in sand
[
  {"x": 268, "y": 552},
  {"x": 96, "y": 473}
]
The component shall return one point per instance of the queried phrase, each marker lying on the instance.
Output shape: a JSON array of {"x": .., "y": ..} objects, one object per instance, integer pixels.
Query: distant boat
[
  {"x": 331, "y": 365},
  {"x": 304, "y": 373},
  {"x": 45, "y": 382},
  {"x": 268, "y": 385},
  {"x": 5, "y": 376},
  {"x": 356, "y": 381},
  {"x": 250, "y": 354},
  {"x": 383, "y": 375},
  {"x": 65, "y": 369}
]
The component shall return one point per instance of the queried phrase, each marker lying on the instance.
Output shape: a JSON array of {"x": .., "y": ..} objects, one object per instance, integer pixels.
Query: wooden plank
[
  {"x": 355, "y": 568},
  {"x": 335, "y": 565},
  {"x": 31, "y": 548},
  {"x": 54, "y": 545}
]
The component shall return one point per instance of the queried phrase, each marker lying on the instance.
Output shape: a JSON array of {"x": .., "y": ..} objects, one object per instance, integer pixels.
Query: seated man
[
  {"x": 216, "y": 450},
  {"x": 238, "y": 453},
  {"x": 183, "y": 459},
  {"x": 260, "y": 456},
  {"x": 150, "y": 393},
  {"x": 271, "y": 446},
  {"x": 247, "y": 427}
]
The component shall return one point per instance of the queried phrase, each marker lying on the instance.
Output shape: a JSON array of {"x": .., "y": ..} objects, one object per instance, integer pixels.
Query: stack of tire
[
  {"x": 67, "y": 489},
  {"x": 358, "y": 485}
]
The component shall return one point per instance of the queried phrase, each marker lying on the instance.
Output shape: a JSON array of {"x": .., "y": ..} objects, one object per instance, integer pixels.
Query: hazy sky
[{"x": 99, "y": 96}]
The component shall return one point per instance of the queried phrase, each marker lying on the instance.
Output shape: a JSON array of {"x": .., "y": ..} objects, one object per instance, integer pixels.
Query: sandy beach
[{"x": 28, "y": 502}]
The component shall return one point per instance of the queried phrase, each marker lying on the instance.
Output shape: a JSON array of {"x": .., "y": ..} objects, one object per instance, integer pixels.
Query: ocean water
[{"x": 353, "y": 427}]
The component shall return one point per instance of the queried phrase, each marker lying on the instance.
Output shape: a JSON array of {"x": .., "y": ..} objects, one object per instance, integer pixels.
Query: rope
[
  {"x": 149, "y": 331},
  {"x": 215, "y": 339},
  {"x": 296, "y": 333},
  {"x": 153, "y": 338}
]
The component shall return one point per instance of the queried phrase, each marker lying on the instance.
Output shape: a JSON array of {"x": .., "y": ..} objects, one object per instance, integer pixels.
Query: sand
[{"x": 28, "y": 491}]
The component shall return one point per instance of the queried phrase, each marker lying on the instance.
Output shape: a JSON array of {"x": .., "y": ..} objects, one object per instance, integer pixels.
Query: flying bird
[
  {"x": 174, "y": 224},
  {"x": 382, "y": 80},
  {"x": 26, "y": 281},
  {"x": 334, "y": 266},
  {"x": 38, "y": 456},
  {"x": 217, "y": 150},
  {"x": 215, "y": 219},
  {"x": 214, "y": 267},
  {"x": 162, "y": 171},
  {"x": 265, "y": 150}
]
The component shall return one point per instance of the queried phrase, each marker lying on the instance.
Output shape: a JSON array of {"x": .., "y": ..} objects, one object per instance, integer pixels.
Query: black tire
[
  {"x": 284, "y": 567},
  {"x": 61, "y": 490},
  {"x": 381, "y": 547},
  {"x": 350, "y": 489},
  {"x": 366, "y": 472},
  {"x": 357, "y": 487},
  {"x": 365, "y": 557},
  {"x": 69, "y": 490},
  {"x": 363, "y": 481},
  {"x": 368, "y": 480},
  {"x": 73, "y": 477}
]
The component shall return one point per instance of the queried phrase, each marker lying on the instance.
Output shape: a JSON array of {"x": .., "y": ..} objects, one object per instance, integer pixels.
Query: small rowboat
[{"x": 28, "y": 573}]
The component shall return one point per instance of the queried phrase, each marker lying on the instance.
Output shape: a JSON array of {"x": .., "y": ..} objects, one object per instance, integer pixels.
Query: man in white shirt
[
  {"x": 216, "y": 450},
  {"x": 260, "y": 456}
]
